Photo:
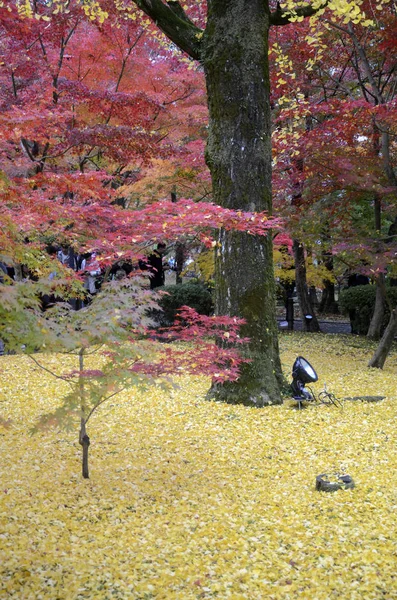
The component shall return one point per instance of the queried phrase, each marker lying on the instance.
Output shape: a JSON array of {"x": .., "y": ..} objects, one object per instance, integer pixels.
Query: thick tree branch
[
  {"x": 178, "y": 10},
  {"x": 175, "y": 24},
  {"x": 281, "y": 17}
]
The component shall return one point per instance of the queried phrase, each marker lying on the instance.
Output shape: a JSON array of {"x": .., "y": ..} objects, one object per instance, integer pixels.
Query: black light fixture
[{"x": 302, "y": 373}]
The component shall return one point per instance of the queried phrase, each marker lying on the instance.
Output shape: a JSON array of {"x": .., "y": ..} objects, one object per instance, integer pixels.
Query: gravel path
[{"x": 326, "y": 326}]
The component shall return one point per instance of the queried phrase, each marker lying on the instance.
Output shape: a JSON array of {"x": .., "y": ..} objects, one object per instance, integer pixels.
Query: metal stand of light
[{"x": 302, "y": 373}]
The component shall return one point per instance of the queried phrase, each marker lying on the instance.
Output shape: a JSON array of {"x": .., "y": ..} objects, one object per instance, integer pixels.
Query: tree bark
[
  {"x": 305, "y": 304},
  {"x": 235, "y": 59},
  {"x": 375, "y": 326},
  {"x": 180, "y": 249},
  {"x": 385, "y": 344},
  {"x": 175, "y": 24},
  {"x": 84, "y": 440},
  {"x": 379, "y": 358},
  {"x": 328, "y": 303},
  {"x": 313, "y": 297},
  {"x": 234, "y": 52}
]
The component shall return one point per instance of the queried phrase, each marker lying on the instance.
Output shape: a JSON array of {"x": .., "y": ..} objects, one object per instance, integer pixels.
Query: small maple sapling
[
  {"x": 68, "y": 132},
  {"x": 110, "y": 347},
  {"x": 113, "y": 328}
]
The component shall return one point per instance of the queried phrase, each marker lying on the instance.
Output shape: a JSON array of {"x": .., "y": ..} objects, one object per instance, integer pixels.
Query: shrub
[
  {"x": 359, "y": 303},
  {"x": 193, "y": 294}
]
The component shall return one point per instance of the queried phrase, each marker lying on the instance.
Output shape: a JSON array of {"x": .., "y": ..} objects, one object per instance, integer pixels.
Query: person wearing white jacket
[{"x": 92, "y": 269}]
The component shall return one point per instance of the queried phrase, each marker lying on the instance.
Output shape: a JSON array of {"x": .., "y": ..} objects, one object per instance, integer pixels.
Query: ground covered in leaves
[{"x": 191, "y": 499}]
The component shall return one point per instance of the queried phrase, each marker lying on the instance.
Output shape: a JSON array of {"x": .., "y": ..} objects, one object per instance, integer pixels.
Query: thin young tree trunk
[
  {"x": 180, "y": 250},
  {"x": 84, "y": 440},
  {"x": 379, "y": 358},
  {"x": 328, "y": 302},
  {"x": 305, "y": 304},
  {"x": 382, "y": 300},
  {"x": 18, "y": 272},
  {"x": 313, "y": 297},
  {"x": 375, "y": 326},
  {"x": 385, "y": 344}
]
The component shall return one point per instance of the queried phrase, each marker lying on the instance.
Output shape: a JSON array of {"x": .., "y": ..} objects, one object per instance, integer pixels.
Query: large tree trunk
[
  {"x": 234, "y": 52},
  {"x": 385, "y": 344},
  {"x": 235, "y": 58},
  {"x": 305, "y": 304}
]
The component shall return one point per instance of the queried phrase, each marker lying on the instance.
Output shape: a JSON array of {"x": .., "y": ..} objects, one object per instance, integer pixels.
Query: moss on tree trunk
[
  {"x": 235, "y": 58},
  {"x": 234, "y": 53}
]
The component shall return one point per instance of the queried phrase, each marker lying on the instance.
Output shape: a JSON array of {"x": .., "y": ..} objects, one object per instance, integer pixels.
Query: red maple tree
[
  {"x": 335, "y": 124},
  {"x": 72, "y": 139}
]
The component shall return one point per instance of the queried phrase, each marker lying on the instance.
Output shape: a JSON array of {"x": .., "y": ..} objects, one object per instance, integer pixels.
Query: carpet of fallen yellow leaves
[{"x": 191, "y": 499}]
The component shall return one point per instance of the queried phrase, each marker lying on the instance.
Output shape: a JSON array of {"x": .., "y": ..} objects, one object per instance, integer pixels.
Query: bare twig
[{"x": 50, "y": 372}]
